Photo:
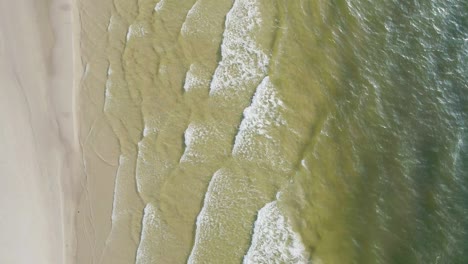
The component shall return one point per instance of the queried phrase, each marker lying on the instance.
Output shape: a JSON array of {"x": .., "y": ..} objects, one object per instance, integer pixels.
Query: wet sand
[
  {"x": 99, "y": 146},
  {"x": 39, "y": 165}
]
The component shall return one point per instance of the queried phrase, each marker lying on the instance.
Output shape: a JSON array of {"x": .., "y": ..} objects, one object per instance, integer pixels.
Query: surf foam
[
  {"x": 273, "y": 239},
  {"x": 196, "y": 77},
  {"x": 136, "y": 30},
  {"x": 194, "y": 134},
  {"x": 151, "y": 168},
  {"x": 255, "y": 140},
  {"x": 159, "y": 6},
  {"x": 194, "y": 16},
  {"x": 243, "y": 59},
  {"x": 225, "y": 217},
  {"x": 198, "y": 136},
  {"x": 152, "y": 234}
]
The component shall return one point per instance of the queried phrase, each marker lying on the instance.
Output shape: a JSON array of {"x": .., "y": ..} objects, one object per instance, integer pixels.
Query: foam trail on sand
[{"x": 273, "y": 240}]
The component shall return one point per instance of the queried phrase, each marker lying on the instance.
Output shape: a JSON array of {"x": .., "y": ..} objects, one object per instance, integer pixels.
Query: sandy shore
[
  {"x": 100, "y": 149},
  {"x": 39, "y": 164}
]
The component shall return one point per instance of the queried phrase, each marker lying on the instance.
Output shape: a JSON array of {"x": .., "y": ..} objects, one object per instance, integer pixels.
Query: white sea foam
[
  {"x": 264, "y": 112},
  {"x": 109, "y": 70},
  {"x": 196, "y": 135},
  {"x": 273, "y": 240},
  {"x": 108, "y": 94},
  {"x": 118, "y": 205},
  {"x": 304, "y": 164},
  {"x": 194, "y": 16},
  {"x": 151, "y": 168},
  {"x": 111, "y": 24},
  {"x": 226, "y": 206},
  {"x": 153, "y": 235},
  {"x": 136, "y": 30},
  {"x": 254, "y": 140},
  {"x": 243, "y": 60},
  {"x": 150, "y": 127},
  {"x": 142, "y": 164},
  {"x": 459, "y": 146},
  {"x": 196, "y": 77},
  {"x": 159, "y": 5},
  {"x": 203, "y": 219}
]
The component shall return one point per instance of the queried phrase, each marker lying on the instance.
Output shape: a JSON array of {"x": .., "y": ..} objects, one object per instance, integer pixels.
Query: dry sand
[{"x": 39, "y": 161}]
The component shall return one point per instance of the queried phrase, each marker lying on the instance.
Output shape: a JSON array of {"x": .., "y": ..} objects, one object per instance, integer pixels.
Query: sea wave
[{"x": 274, "y": 240}]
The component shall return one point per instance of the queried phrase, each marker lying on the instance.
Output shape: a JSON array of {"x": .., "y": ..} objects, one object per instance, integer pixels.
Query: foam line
[
  {"x": 243, "y": 60},
  {"x": 273, "y": 239}
]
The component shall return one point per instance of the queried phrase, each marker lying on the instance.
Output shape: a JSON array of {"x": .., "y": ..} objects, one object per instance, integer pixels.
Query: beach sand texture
[{"x": 39, "y": 183}]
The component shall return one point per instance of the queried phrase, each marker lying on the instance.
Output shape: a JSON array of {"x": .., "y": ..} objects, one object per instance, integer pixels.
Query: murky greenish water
[{"x": 305, "y": 131}]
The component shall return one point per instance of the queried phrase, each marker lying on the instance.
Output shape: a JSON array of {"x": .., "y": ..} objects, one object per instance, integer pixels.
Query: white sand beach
[{"x": 39, "y": 165}]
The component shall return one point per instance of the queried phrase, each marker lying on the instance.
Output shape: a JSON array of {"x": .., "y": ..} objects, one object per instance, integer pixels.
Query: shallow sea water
[{"x": 308, "y": 131}]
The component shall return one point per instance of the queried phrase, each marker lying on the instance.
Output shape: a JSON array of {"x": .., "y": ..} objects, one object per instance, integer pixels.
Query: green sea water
[{"x": 289, "y": 131}]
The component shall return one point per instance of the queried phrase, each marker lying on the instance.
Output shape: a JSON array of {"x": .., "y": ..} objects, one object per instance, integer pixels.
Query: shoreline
[
  {"x": 77, "y": 73},
  {"x": 98, "y": 145}
]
